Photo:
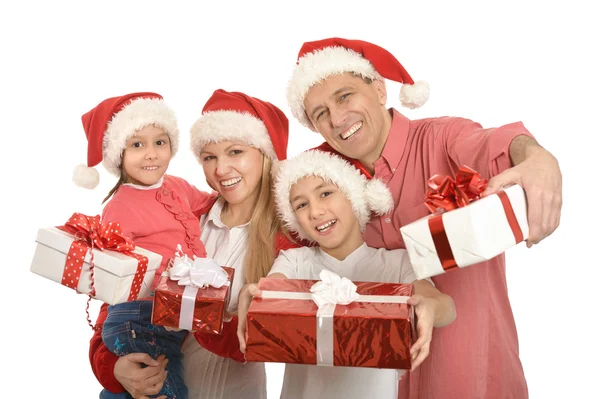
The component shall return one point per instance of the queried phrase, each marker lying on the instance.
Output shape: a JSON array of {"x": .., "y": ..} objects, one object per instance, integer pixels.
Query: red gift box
[
  {"x": 209, "y": 305},
  {"x": 365, "y": 334}
]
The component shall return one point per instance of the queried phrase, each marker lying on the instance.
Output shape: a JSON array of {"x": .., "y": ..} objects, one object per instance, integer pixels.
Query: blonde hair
[{"x": 262, "y": 230}]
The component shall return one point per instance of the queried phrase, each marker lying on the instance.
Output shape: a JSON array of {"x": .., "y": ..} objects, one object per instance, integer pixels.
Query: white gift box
[
  {"x": 475, "y": 233},
  {"x": 113, "y": 271}
]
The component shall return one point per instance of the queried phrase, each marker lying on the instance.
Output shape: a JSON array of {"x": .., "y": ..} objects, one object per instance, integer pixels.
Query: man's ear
[{"x": 379, "y": 85}]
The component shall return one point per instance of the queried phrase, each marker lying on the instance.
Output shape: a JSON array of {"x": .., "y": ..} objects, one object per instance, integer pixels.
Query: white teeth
[
  {"x": 325, "y": 226},
  {"x": 150, "y": 167},
  {"x": 351, "y": 131},
  {"x": 231, "y": 182}
]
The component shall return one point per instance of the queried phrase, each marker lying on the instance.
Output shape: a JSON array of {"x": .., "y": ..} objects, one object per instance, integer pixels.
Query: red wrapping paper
[
  {"x": 210, "y": 307},
  {"x": 365, "y": 334}
]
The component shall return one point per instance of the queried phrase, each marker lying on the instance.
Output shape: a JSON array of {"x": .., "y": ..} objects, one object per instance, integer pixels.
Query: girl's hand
[
  {"x": 248, "y": 292},
  {"x": 425, "y": 309}
]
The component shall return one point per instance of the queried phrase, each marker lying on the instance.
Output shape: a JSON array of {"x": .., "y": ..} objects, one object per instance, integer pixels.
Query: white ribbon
[
  {"x": 199, "y": 273},
  {"x": 331, "y": 291}
]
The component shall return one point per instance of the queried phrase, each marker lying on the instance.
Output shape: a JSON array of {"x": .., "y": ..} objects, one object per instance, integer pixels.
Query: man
[{"x": 338, "y": 90}]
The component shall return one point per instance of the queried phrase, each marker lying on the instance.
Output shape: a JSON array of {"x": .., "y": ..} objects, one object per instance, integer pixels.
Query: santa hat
[
  {"x": 111, "y": 123},
  {"x": 321, "y": 59},
  {"x": 237, "y": 117},
  {"x": 366, "y": 196}
]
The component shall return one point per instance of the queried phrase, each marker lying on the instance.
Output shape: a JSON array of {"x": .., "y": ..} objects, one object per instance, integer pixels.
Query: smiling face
[
  {"x": 234, "y": 170},
  {"x": 326, "y": 216},
  {"x": 146, "y": 156},
  {"x": 350, "y": 114}
]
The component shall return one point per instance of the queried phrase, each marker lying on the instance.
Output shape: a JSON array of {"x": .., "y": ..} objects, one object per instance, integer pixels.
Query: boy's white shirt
[{"x": 363, "y": 264}]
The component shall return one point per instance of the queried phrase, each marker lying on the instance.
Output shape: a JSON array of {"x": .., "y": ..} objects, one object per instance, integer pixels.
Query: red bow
[
  {"x": 90, "y": 233},
  {"x": 96, "y": 234},
  {"x": 446, "y": 194}
]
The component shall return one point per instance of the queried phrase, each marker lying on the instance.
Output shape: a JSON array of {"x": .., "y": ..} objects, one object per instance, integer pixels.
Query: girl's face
[
  {"x": 234, "y": 170},
  {"x": 325, "y": 214},
  {"x": 146, "y": 156}
]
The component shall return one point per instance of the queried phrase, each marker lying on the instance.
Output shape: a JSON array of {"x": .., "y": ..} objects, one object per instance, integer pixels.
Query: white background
[{"x": 495, "y": 64}]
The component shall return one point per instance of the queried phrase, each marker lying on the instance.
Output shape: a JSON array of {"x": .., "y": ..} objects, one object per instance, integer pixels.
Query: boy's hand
[
  {"x": 246, "y": 294},
  {"x": 425, "y": 309}
]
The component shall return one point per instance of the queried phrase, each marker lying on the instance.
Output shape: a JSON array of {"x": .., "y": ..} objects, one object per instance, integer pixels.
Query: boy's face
[
  {"x": 324, "y": 213},
  {"x": 146, "y": 156}
]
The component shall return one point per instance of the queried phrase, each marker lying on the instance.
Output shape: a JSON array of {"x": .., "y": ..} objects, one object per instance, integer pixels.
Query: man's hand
[{"x": 540, "y": 177}]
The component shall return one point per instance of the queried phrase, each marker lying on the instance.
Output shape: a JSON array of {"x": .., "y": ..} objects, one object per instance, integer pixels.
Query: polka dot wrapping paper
[{"x": 118, "y": 276}]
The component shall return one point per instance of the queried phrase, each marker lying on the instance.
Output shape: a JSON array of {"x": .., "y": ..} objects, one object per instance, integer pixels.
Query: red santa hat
[
  {"x": 115, "y": 120},
  {"x": 237, "y": 117},
  {"x": 366, "y": 196},
  {"x": 321, "y": 59}
]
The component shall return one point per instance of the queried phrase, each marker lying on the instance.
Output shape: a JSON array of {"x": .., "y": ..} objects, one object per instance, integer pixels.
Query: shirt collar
[
  {"x": 396, "y": 141},
  {"x": 140, "y": 187},
  {"x": 214, "y": 215},
  {"x": 331, "y": 262}
]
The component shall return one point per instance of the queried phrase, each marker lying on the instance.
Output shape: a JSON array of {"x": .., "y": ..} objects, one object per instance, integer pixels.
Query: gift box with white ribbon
[
  {"x": 331, "y": 322},
  {"x": 193, "y": 295}
]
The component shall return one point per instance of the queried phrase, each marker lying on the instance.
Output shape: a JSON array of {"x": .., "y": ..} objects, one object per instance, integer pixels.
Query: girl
[
  {"x": 236, "y": 140},
  {"x": 135, "y": 136},
  {"x": 326, "y": 200}
]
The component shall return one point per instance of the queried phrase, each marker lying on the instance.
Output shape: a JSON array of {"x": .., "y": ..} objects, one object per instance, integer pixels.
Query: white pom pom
[
  {"x": 414, "y": 96},
  {"x": 86, "y": 177},
  {"x": 378, "y": 196}
]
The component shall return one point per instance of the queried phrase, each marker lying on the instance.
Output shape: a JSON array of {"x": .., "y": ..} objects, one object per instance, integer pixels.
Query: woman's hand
[{"x": 141, "y": 382}]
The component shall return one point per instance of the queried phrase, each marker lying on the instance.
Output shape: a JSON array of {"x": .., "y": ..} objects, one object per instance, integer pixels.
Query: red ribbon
[
  {"x": 445, "y": 194},
  {"x": 89, "y": 232}
]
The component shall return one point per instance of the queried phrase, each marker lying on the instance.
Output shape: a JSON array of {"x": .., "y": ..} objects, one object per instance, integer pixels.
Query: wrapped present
[
  {"x": 332, "y": 322},
  {"x": 464, "y": 228},
  {"x": 193, "y": 295},
  {"x": 95, "y": 258}
]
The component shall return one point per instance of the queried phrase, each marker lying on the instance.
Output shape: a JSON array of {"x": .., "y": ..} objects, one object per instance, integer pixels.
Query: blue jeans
[{"x": 128, "y": 329}]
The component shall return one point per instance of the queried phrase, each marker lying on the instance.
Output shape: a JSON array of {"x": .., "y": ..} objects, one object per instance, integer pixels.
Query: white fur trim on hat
[
  {"x": 415, "y": 95},
  {"x": 317, "y": 66},
  {"x": 217, "y": 126},
  {"x": 365, "y": 196},
  {"x": 378, "y": 197},
  {"x": 136, "y": 115},
  {"x": 86, "y": 177}
]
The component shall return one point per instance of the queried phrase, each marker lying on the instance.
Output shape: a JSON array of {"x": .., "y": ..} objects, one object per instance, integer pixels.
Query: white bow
[
  {"x": 333, "y": 289},
  {"x": 199, "y": 273}
]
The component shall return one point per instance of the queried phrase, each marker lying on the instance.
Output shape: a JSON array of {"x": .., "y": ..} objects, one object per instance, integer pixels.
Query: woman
[{"x": 236, "y": 140}]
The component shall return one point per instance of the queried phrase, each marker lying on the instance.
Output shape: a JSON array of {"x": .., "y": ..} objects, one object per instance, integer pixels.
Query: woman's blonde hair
[{"x": 262, "y": 230}]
